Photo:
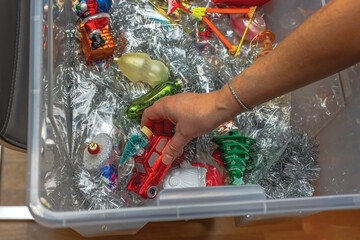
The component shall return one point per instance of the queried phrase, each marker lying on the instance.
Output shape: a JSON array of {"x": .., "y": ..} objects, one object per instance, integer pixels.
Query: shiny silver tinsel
[{"x": 292, "y": 174}]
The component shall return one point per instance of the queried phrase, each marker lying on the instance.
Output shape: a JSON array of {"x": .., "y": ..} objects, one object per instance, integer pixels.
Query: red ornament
[
  {"x": 216, "y": 155},
  {"x": 150, "y": 169},
  {"x": 213, "y": 176},
  {"x": 240, "y": 22},
  {"x": 241, "y": 3}
]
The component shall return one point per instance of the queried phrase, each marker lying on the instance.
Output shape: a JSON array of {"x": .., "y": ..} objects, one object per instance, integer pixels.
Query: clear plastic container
[{"x": 327, "y": 109}]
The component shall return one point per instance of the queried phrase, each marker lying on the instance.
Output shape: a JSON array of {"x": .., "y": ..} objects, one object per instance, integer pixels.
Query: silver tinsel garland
[{"x": 292, "y": 174}]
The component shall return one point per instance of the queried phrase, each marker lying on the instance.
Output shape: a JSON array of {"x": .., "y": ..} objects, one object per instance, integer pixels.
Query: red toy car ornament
[
  {"x": 213, "y": 176},
  {"x": 150, "y": 169}
]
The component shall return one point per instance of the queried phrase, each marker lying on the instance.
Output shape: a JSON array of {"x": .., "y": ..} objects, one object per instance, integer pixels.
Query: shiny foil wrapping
[{"x": 82, "y": 101}]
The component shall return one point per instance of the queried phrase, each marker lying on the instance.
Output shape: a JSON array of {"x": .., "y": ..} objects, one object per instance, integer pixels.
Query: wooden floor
[{"x": 327, "y": 225}]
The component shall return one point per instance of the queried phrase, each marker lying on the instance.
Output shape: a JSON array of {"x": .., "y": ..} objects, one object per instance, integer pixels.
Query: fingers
[
  {"x": 158, "y": 126},
  {"x": 168, "y": 126},
  {"x": 157, "y": 119},
  {"x": 156, "y": 113},
  {"x": 162, "y": 127},
  {"x": 151, "y": 115},
  {"x": 174, "y": 147}
]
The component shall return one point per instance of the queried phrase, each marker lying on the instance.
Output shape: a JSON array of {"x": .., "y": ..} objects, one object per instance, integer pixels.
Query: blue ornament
[{"x": 104, "y": 5}]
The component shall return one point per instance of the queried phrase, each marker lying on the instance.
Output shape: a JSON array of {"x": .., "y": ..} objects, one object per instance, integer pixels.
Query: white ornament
[
  {"x": 185, "y": 178},
  {"x": 94, "y": 162}
]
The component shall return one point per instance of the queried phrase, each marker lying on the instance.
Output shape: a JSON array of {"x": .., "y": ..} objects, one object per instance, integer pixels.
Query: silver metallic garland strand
[{"x": 293, "y": 172}]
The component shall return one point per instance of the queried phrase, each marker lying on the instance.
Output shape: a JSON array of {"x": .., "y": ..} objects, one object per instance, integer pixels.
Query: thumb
[{"x": 174, "y": 147}]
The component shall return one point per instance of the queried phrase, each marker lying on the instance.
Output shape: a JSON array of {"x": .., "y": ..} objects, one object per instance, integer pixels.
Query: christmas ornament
[
  {"x": 236, "y": 153},
  {"x": 172, "y": 6},
  {"x": 163, "y": 10},
  {"x": 223, "y": 128},
  {"x": 251, "y": 15},
  {"x": 266, "y": 38},
  {"x": 135, "y": 143},
  {"x": 194, "y": 175},
  {"x": 109, "y": 176},
  {"x": 150, "y": 169},
  {"x": 98, "y": 159},
  {"x": 96, "y": 40},
  {"x": 186, "y": 177},
  {"x": 213, "y": 176},
  {"x": 200, "y": 14},
  {"x": 240, "y": 21},
  {"x": 136, "y": 108},
  {"x": 241, "y": 3},
  {"x": 139, "y": 67}
]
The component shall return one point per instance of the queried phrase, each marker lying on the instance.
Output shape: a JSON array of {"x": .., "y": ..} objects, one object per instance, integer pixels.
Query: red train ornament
[{"x": 150, "y": 169}]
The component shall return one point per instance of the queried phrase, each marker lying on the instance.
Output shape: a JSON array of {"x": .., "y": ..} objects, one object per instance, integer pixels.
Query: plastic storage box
[{"x": 337, "y": 128}]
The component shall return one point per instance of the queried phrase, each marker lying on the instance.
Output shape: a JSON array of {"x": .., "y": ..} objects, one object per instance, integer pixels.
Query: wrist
[{"x": 226, "y": 104}]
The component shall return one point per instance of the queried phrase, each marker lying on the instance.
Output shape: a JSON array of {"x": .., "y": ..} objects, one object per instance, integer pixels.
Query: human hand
[{"x": 193, "y": 115}]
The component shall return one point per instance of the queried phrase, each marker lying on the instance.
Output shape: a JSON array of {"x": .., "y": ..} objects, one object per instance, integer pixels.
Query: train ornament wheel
[{"x": 152, "y": 192}]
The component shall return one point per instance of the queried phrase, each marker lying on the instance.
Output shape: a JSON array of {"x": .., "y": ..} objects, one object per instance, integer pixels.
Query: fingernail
[{"x": 167, "y": 159}]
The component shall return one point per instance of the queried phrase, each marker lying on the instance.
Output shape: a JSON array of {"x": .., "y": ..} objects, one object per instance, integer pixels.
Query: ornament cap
[
  {"x": 181, "y": 81},
  {"x": 146, "y": 131},
  {"x": 93, "y": 148},
  {"x": 267, "y": 34}
]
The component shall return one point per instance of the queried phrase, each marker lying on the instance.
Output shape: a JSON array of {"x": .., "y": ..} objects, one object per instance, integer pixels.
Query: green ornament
[
  {"x": 236, "y": 173},
  {"x": 234, "y": 137},
  {"x": 241, "y": 149},
  {"x": 235, "y": 161},
  {"x": 136, "y": 108},
  {"x": 237, "y": 154},
  {"x": 237, "y": 181},
  {"x": 235, "y": 146},
  {"x": 135, "y": 143}
]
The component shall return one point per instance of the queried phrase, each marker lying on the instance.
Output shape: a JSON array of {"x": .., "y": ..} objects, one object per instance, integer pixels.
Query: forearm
[{"x": 326, "y": 43}]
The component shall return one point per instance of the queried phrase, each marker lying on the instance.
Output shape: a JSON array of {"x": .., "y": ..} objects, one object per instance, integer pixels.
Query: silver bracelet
[{"x": 236, "y": 97}]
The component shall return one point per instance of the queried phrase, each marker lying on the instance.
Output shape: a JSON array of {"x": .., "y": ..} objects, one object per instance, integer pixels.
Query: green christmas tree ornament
[
  {"x": 234, "y": 137},
  {"x": 237, "y": 153}
]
